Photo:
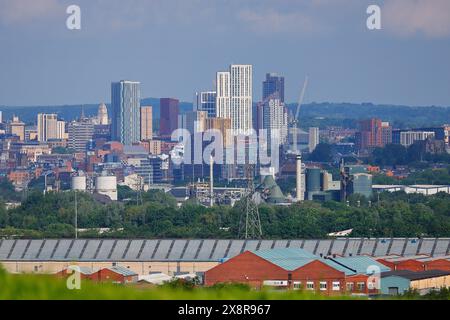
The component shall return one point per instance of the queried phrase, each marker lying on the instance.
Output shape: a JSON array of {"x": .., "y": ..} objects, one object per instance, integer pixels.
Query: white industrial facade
[
  {"x": 407, "y": 138},
  {"x": 423, "y": 189}
]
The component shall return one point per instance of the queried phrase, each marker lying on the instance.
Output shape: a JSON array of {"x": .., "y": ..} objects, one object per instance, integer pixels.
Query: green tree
[{"x": 322, "y": 153}]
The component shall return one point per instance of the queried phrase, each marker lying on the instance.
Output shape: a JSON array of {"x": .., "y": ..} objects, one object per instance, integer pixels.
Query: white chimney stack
[
  {"x": 211, "y": 180},
  {"x": 300, "y": 193}
]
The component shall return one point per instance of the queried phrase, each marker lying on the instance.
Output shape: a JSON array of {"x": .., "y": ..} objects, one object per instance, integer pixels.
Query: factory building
[
  {"x": 400, "y": 282},
  {"x": 320, "y": 185},
  {"x": 422, "y": 189},
  {"x": 290, "y": 268},
  {"x": 361, "y": 184},
  {"x": 145, "y": 256},
  {"x": 416, "y": 263},
  {"x": 114, "y": 274}
]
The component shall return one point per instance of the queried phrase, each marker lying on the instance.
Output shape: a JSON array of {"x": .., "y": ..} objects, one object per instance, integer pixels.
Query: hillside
[{"x": 313, "y": 114}]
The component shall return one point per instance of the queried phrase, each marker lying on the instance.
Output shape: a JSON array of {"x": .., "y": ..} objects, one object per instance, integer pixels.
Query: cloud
[
  {"x": 24, "y": 11},
  {"x": 411, "y": 17},
  {"x": 272, "y": 21}
]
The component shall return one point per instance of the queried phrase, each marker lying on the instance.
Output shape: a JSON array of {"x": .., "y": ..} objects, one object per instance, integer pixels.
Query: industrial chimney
[
  {"x": 300, "y": 193},
  {"x": 211, "y": 180}
]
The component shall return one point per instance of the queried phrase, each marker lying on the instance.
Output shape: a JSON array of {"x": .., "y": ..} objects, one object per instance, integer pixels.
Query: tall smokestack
[
  {"x": 211, "y": 180},
  {"x": 300, "y": 194}
]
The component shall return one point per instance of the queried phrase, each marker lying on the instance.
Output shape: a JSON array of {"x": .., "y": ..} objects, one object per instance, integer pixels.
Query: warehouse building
[
  {"x": 403, "y": 263},
  {"x": 289, "y": 268},
  {"x": 416, "y": 263},
  {"x": 400, "y": 282},
  {"x": 114, "y": 274},
  {"x": 422, "y": 189},
  {"x": 145, "y": 256}
]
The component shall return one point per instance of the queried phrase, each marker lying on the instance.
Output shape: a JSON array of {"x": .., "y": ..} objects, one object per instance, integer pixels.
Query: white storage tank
[
  {"x": 106, "y": 185},
  {"x": 79, "y": 183}
]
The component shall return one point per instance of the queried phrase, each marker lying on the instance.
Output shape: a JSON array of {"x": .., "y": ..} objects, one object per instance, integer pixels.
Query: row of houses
[{"x": 289, "y": 268}]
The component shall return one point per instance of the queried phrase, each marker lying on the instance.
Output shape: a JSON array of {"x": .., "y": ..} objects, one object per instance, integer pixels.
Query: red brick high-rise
[
  {"x": 370, "y": 134},
  {"x": 169, "y": 110}
]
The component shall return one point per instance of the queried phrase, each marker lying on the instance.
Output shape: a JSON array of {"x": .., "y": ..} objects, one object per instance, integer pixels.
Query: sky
[{"x": 175, "y": 47}]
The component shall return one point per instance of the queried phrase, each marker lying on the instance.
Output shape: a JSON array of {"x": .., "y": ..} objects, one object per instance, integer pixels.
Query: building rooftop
[
  {"x": 411, "y": 275},
  {"x": 291, "y": 259},
  {"x": 286, "y": 258},
  {"x": 123, "y": 271},
  {"x": 210, "y": 249},
  {"x": 357, "y": 265}
]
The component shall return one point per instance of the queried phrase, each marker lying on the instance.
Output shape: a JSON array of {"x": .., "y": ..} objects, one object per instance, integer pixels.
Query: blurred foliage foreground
[
  {"x": 48, "y": 287},
  {"x": 40, "y": 287}
]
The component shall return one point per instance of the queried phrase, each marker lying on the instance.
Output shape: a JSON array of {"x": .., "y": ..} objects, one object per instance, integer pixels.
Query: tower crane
[{"x": 294, "y": 123}]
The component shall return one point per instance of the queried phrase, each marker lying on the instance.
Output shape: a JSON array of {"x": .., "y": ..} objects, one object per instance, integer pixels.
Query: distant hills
[{"x": 313, "y": 114}]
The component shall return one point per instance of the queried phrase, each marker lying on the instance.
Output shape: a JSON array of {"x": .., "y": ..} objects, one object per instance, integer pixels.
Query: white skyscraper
[
  {"x": 60, "y": 130},
  {"x": 313, "y": 138},
  {"x": 234, "y": 97},
  {"x": 223, "y": 96},
  {"x": 275, "y": 117},
  {"x": 47, "y": 126}
]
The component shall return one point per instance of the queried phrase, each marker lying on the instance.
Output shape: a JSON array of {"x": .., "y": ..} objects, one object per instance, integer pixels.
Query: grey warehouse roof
[
  {"x": 208, "y": 250},
  {"x": 411, "y": 275}
]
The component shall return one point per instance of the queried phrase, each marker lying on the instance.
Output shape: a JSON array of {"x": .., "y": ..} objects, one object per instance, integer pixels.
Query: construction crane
[{"x": 294, "y": 123}]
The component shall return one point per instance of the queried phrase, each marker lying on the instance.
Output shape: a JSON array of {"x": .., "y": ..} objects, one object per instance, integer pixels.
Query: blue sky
[{"x": 174, "y": 47}]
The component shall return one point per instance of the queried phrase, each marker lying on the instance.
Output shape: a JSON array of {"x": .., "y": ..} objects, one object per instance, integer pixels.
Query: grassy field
[{"x": 39, "y": 287}]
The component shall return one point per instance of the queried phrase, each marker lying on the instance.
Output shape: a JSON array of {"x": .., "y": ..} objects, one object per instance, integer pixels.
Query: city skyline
[{"x": 328, "y": 41}]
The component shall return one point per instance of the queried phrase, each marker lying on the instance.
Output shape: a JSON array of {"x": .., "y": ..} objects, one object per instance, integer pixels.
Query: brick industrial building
[
  {"x": 417, "y": 263},
  {"x": 169, "y": 256},
  {"x": 114, "y": 274},
  {"x": 289, "y": 268}
]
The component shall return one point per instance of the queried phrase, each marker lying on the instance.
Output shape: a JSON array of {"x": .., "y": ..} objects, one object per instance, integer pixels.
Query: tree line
[{"x": 392, "y": 215}]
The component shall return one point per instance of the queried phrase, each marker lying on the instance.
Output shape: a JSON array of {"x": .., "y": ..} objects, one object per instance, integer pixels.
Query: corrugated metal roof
[
  {"x": 291, "y": 259},
  {"x": 411, "y": 275},
  {"x": 114, "y": 250},
  {"x": 123, "y": 271},
  {"x": 400, "y": 258},
  {"x": 286, "y": 258},
  {"x": 343, "y": 268},
  {"x": 81, "y": 269},
  {"x": 361, "y": 264}
]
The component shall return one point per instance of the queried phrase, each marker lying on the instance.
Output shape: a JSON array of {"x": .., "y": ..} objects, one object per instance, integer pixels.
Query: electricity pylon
[{"x": 250, "y": 222}]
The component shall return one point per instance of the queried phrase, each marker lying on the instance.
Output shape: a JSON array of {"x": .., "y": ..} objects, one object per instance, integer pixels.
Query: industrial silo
[
  {"x": 313, "y": 176},
  {"x": 106, "y": 185},
  {"x": 79, "y": 183}
]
